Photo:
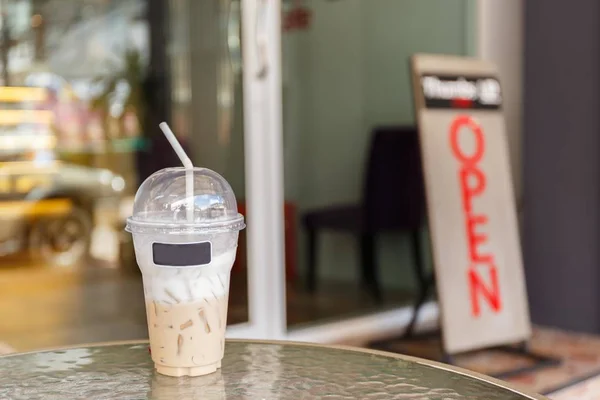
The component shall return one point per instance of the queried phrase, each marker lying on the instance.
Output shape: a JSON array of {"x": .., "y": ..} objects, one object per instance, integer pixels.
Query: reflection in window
[{"x": 89, "y": 58}]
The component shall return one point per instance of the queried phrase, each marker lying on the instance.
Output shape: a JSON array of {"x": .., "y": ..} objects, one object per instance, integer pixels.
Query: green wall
[{"x": 344, "y": 75}]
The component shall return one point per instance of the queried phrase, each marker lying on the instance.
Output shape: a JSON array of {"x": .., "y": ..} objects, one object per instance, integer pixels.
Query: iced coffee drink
[
  {"x": 186, "y": 323},
  {"x": 185, "y": 245}
]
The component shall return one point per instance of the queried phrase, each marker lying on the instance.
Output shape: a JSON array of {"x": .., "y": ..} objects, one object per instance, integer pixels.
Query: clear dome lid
[{"x": 162, "y": 203}]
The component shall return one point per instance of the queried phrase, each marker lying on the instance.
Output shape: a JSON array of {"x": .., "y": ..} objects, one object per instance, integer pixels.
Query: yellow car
[{"x": 46, "y": 207}]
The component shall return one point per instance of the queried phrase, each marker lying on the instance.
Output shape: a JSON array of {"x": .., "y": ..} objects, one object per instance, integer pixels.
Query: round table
[{"x": 251, "y": 370}]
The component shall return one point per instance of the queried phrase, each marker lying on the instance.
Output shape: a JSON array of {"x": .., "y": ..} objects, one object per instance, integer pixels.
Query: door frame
[{"x": 263, "y": 152}]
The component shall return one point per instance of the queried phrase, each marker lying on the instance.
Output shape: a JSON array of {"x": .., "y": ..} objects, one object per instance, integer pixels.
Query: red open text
[{"x": 482, "y": 273}]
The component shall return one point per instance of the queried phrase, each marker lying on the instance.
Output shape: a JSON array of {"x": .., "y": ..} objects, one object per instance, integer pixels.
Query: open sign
[{"x": 470, "y": 203}]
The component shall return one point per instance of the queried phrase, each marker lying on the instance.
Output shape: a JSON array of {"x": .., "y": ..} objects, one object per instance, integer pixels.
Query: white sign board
[{"x": 470, "y": 202}]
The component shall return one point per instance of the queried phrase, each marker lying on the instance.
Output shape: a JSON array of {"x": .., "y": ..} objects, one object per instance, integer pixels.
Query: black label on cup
[{"x": 181, "y": 254}]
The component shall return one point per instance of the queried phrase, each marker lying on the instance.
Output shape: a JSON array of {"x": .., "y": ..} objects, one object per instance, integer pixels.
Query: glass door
[
  {"x": 290, "y": 124},
  {"x": 345, "y": 77}
]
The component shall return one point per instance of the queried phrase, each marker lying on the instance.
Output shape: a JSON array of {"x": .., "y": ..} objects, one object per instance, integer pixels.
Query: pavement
[{"x": 43, "y": 307}]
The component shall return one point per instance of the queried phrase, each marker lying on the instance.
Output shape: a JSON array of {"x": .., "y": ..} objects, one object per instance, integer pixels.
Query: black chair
[{"x": 393, "y": 200}]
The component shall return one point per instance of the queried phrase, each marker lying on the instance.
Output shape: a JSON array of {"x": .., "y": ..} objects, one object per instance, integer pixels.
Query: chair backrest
[{"x": 394, "y": 192}]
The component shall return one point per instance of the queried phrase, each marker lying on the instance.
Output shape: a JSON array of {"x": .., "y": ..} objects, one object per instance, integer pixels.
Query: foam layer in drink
[{"x": 184, "y": 285}]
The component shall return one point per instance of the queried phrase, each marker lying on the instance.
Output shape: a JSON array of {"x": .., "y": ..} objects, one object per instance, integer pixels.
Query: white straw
[{"x": 187, "y": 163}]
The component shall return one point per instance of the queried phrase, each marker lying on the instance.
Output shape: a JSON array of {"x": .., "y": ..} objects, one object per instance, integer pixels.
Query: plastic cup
[{"x": 186, "y": 258}]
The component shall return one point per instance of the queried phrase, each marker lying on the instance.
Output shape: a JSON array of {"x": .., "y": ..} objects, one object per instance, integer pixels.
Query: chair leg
[
  {"x": 369, "y": 266},
  {"x": 424, "y": 282},
  {"x": 420, "y": 300},
  {"x": 417, "y": 251},
  {"x": 311, "y": 278}
]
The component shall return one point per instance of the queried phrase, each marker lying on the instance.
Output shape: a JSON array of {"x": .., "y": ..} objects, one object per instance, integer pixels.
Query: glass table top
[{"x": 251, "y": 370}]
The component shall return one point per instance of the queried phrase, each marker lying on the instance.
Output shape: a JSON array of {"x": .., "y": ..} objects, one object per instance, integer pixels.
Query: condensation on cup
[{"x": 185, "y": 227}]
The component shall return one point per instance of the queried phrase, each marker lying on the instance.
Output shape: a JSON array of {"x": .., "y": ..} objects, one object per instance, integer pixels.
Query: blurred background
[{"x": 297, "y": 126}]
